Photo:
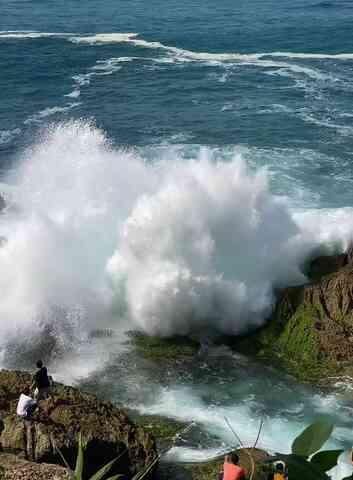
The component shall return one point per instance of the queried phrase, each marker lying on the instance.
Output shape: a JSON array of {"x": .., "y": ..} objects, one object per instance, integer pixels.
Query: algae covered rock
[
  {"x": 56, "y": 423},
  {"x": 311, "y": 329},
  {"x": 158, "y": 349}
]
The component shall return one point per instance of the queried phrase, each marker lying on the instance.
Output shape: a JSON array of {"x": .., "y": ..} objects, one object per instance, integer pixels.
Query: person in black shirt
[{"x": 41, "y": 382}]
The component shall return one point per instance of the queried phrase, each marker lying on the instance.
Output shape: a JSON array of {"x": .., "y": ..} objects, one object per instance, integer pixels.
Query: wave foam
[
  {"x": 47, "y": 112},
  {"x": 103, "y": 38},
  {"x": 6, "y": 136},
  {"x": 266, "y": 60},
  {"x": 171, "y": 246},
  {"x": 111, "y": 38},
  {"x": 30, "y": 35}
]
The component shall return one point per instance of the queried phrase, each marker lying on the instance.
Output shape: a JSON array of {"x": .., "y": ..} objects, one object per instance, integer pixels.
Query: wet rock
[
  {"x": 311, "y": 328},
  {"x": 56, "y": 424},
  {"x": 326, "y": 265}
]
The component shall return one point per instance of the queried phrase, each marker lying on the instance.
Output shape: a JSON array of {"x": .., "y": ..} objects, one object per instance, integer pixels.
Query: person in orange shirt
[{"x": 231, "y": 468}]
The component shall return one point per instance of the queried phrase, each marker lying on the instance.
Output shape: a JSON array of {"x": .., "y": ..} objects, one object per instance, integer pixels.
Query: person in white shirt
[{"x": 26, "y": 405}]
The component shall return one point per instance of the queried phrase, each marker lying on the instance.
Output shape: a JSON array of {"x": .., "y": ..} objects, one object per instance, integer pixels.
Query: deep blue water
[{"x": 159, "y": 95}]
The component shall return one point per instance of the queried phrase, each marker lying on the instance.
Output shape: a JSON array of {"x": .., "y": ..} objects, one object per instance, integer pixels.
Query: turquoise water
[{"x": 132, "y": 142}]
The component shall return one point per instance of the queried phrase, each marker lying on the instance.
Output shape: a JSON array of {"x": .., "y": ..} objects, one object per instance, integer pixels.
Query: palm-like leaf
[
  {"x": 326, "y": 460},
  {"x": 147, "y": 469},
  {"x": 103, "y": 471},
  {"x": 312, "y": 439},
  {"x": 80, "y": 458}
]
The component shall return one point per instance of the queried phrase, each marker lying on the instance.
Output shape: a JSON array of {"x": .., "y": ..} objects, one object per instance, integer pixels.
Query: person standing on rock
[{"x": 41, "y": 382}]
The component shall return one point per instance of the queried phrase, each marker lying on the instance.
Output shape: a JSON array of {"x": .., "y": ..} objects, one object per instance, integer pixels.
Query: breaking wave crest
[{"x": 97, "y": 236}]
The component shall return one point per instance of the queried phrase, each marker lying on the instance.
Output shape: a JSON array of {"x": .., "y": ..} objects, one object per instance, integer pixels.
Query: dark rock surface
[
  {"x": 56, "y": 423},
  {"x": 311, "y": 329}
]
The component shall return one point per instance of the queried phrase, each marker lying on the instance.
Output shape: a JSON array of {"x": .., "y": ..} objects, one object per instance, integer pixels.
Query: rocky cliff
[
  {"x": 56, "y": 423},
  {"x": 311, "y": 329}
]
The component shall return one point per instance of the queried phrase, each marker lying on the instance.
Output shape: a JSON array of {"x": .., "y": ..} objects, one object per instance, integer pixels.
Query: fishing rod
[
  {"x": 260, "y": 429},
  {"x": 159, "y": 456},
  {"x": 246, "y": 450}
]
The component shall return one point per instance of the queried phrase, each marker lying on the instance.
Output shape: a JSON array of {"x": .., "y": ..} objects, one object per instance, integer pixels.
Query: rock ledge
[{"x": 56, "y": 424}]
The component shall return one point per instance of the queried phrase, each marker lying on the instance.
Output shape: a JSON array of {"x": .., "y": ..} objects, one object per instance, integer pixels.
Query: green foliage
[
  {"x": 326, "y": 460},
  {"x": 80, "y": 460},
  {"x": 312, "y": 438},
  {"x": 102, "y": 472},
  {"x": 299, "y": 468},
  {"x": 79, "y": 468},
  {"x": 306, "y": 444}
]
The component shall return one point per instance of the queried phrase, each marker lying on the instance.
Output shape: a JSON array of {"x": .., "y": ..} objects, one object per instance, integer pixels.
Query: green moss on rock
[
  {"x": 311, "y": 329},
  {"x": 299, "y": 346},
  {"x": 157, "y": 349},
  {"x": 162, "y": 428}
]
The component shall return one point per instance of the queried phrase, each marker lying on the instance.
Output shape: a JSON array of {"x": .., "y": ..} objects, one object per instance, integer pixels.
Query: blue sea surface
[{"x": 206, "y": 81}]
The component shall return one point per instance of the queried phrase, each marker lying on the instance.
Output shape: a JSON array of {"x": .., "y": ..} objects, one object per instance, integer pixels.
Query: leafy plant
[
  {"x": 77, "y": 474},
  {"x": 306, "y": 445}
]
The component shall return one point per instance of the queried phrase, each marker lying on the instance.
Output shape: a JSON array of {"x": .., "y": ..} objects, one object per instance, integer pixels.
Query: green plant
[
  {"x": 77, "y": 474},
  {"x": 305, "y": 462}
]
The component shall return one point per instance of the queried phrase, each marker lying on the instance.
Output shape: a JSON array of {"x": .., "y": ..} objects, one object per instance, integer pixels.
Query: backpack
[{"x": 280, "y": 475}]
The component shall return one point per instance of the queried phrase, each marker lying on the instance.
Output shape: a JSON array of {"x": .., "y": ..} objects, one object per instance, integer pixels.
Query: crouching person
[{"x": 26, "y": 405}]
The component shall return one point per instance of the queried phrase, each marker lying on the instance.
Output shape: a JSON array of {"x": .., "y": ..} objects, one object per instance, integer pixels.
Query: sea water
[{"x": 165, "y": 168}]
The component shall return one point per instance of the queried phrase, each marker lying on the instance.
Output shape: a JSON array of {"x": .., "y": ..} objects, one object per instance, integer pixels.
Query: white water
[
  {"x": 263, "y": 60},
  {"x": 100, "y": 237},
  {"x": 171, "y": 246}
]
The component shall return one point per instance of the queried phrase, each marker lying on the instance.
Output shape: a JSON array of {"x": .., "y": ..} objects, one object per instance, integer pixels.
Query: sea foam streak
[
  {"x": 265, "y": 60},
  {"x": 29, "y": 34},
  {"x": 98, "y": 236},
  {"x": 133, "y": 38},
  {"x": 104, "y": 38},
  {"x": 49, "y": 111}
]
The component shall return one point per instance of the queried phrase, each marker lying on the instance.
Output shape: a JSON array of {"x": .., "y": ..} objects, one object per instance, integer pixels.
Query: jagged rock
[
  {"x": 311, "y": 329},
  {"x": 14, "y": 468},
  {"x": 325, "y": 265},
  {"x": 56, "y": 424}
]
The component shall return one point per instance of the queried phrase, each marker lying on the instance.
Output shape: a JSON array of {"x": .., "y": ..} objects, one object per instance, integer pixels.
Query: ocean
[{"x": 165, "y": 167}]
